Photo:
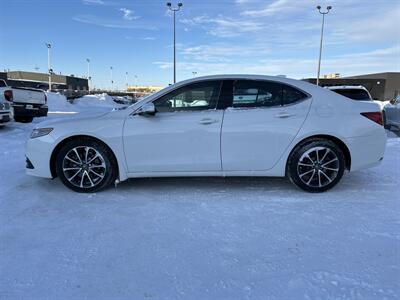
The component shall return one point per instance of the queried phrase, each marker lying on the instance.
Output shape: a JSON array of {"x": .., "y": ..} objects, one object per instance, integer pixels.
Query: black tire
[
  {"x": 23, "y": 119},
  {"x": 108, "y": 159},
  {"x": 297, "y": 170}
]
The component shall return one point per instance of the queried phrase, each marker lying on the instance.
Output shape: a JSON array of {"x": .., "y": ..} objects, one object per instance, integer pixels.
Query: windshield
[{"x": 355, "y": 94}]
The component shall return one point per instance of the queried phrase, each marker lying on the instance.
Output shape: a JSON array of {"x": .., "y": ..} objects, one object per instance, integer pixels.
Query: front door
[
  {"x": 183, "y": 135},
  {"x": 261, "y": 121}
]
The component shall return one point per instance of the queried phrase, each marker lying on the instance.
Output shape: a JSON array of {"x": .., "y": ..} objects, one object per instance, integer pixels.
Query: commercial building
[
  {"x": 331, "y": 76},
  {"x": 382, "y": 86},
  {"x": 144, "y": 89},
  {"x": 41, "y": 80}
]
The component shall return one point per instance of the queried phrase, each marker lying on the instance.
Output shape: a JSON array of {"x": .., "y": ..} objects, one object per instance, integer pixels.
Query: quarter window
[
  {"x": 196, "y": 96},
  {"x": 291, "y": 95}
]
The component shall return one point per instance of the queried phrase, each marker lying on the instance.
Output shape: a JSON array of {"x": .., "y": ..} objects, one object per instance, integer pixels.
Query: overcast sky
[{"x": 214, "y": 36}]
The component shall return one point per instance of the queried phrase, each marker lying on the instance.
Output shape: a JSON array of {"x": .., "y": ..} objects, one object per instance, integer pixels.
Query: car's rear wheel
[
  {"x": 316, "y": 166},
  {"x": 85, "y": 165}
]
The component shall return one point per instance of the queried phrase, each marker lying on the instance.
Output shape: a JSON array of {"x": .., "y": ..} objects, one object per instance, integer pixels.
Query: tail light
[
  {"x": 374, "y": 116},
  {"x": 8, "y": 95}
]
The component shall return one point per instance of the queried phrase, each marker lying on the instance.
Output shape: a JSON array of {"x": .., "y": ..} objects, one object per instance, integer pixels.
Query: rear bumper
[
  {"x": 367, "y": 151},
  {"x": 30, "y": 111}
]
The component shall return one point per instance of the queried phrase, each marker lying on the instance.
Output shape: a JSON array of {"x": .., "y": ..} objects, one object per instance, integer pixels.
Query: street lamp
[
  {"x": 194, "y": 73},
  {"x": 48, "y": 45},
  {"x": 323, "y": 13},
  {"x": 88, "y": 73},
  {"x": 126, "y": 80},
  {"x": 112, "y": 81},
  {"x": 174, "y": 10},
  {"x": 135, "y": 90}
]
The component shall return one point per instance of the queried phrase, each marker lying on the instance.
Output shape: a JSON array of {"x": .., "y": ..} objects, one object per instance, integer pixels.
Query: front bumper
[
  {"x": 5, "y": 116},
  {"x": 38, "y": 151}
]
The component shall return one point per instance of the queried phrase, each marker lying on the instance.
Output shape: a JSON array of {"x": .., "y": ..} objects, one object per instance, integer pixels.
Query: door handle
[
  {"x": 283, "y": 115},
  {"x": 207, "y": 121}
]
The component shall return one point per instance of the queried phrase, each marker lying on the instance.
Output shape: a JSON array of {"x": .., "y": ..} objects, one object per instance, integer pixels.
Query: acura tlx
[{"x": 223, "y": 125}]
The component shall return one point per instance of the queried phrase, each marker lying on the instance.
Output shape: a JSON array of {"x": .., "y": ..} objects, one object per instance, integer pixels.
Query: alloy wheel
[
  {"x": 318, "y": 167},
  {"x": 84, "y": 167}
]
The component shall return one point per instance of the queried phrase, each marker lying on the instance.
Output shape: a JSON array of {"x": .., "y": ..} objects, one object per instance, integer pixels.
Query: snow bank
[{"x": 58, "y": 103}]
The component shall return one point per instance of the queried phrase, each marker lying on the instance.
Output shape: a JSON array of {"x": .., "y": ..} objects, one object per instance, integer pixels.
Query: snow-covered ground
[{"x": 197, "y": 238}]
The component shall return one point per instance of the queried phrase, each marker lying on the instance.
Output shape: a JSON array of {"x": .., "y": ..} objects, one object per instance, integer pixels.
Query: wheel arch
[
  {"x": 342, "y": 146},
  {"x": 57, "y": 149}
]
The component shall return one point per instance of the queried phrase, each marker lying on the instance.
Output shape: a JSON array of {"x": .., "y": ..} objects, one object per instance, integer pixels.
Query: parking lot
[{"x": 203, "y": 238}]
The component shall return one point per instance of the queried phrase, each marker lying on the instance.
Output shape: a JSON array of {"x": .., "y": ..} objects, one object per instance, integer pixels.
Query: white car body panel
[
  {"x": 253, "y": 139},
  {"x": 149, "y": 146},
  {"x": 173, "y": 142}
]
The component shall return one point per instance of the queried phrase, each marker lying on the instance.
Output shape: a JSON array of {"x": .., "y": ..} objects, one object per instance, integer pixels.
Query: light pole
[
  {"x": 174, "y": 10},
  {"x": 88, "y": 73},
  {"x": 112, "y": 81},
  {"x": 126, "y": 80},
  {"x": 48, "y": 45},
  {"x": 135, "y": 91},
  {"x": 323, "y": 13}
]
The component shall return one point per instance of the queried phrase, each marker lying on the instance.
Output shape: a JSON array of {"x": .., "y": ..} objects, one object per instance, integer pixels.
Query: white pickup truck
[{"x": 26, "y": 103}]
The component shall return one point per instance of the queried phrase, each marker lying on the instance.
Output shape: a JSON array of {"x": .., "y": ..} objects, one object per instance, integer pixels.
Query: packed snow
[
  {"x": 58, "y": 103},
  {"x": 196, "y": 238}
]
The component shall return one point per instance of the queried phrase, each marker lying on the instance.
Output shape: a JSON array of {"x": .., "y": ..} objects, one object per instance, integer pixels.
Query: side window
[
  {"x": 196, "y": 96},
  {"x": 291, "y": 95},
  {"x": 249, "y": 93}
]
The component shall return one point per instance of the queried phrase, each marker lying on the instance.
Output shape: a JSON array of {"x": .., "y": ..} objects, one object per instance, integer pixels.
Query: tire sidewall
[
  {"x": 105, "y": 153},
  {"x": 300, "y": 150}
]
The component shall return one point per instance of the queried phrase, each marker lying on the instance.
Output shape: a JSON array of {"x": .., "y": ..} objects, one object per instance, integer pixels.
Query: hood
[{"x": 87, "y": 115}]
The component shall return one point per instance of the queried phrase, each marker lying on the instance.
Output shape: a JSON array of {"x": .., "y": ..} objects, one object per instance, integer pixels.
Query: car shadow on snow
[{"x": 350, "y": 182}]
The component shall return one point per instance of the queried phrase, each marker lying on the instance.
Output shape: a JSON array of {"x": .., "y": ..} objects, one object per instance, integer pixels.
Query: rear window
[{"x": 355, "y": 94}]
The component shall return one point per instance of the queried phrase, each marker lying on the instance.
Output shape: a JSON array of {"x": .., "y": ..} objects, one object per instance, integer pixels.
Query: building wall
[
  {"x": 392, "y": 79},
  {"x": 39, "y": 77},
  {"x": 40, "y": 80}
]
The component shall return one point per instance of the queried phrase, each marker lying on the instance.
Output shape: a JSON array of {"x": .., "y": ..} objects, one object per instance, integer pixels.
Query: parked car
[
  {"x": 5, "y": 112},
  {"x": 391, "y": 114},
  {"x": 353, "y": 92},
  {"x": 26, "y": 103},
  {"x": 246, "y": 125},
  {"x": 5, "y": 108}
]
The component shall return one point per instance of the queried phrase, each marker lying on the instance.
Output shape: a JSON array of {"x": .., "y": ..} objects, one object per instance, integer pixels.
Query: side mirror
[{"x": 147, "y": 109}]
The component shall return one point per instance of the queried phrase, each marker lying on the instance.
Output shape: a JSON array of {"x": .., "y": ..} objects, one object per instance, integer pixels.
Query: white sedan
[{"x": 224, "y": 125}]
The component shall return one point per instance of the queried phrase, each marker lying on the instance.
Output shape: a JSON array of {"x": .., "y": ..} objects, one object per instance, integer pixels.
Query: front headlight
[{"x": 38, "y": 132}]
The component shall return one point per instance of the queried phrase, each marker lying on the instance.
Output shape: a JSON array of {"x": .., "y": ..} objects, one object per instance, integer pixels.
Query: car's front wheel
[
  {"x": 316, "y": 166},
  {"x": 85, "y": 165}
]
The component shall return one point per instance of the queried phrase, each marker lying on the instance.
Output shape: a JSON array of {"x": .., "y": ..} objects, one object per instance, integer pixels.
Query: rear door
[{"x": 261, "y": 120}]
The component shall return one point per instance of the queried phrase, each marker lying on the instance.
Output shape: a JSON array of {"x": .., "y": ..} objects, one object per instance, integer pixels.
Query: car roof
[
  {"x": 294, "y": 82},
  {"x": 346, "y": 87}
]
